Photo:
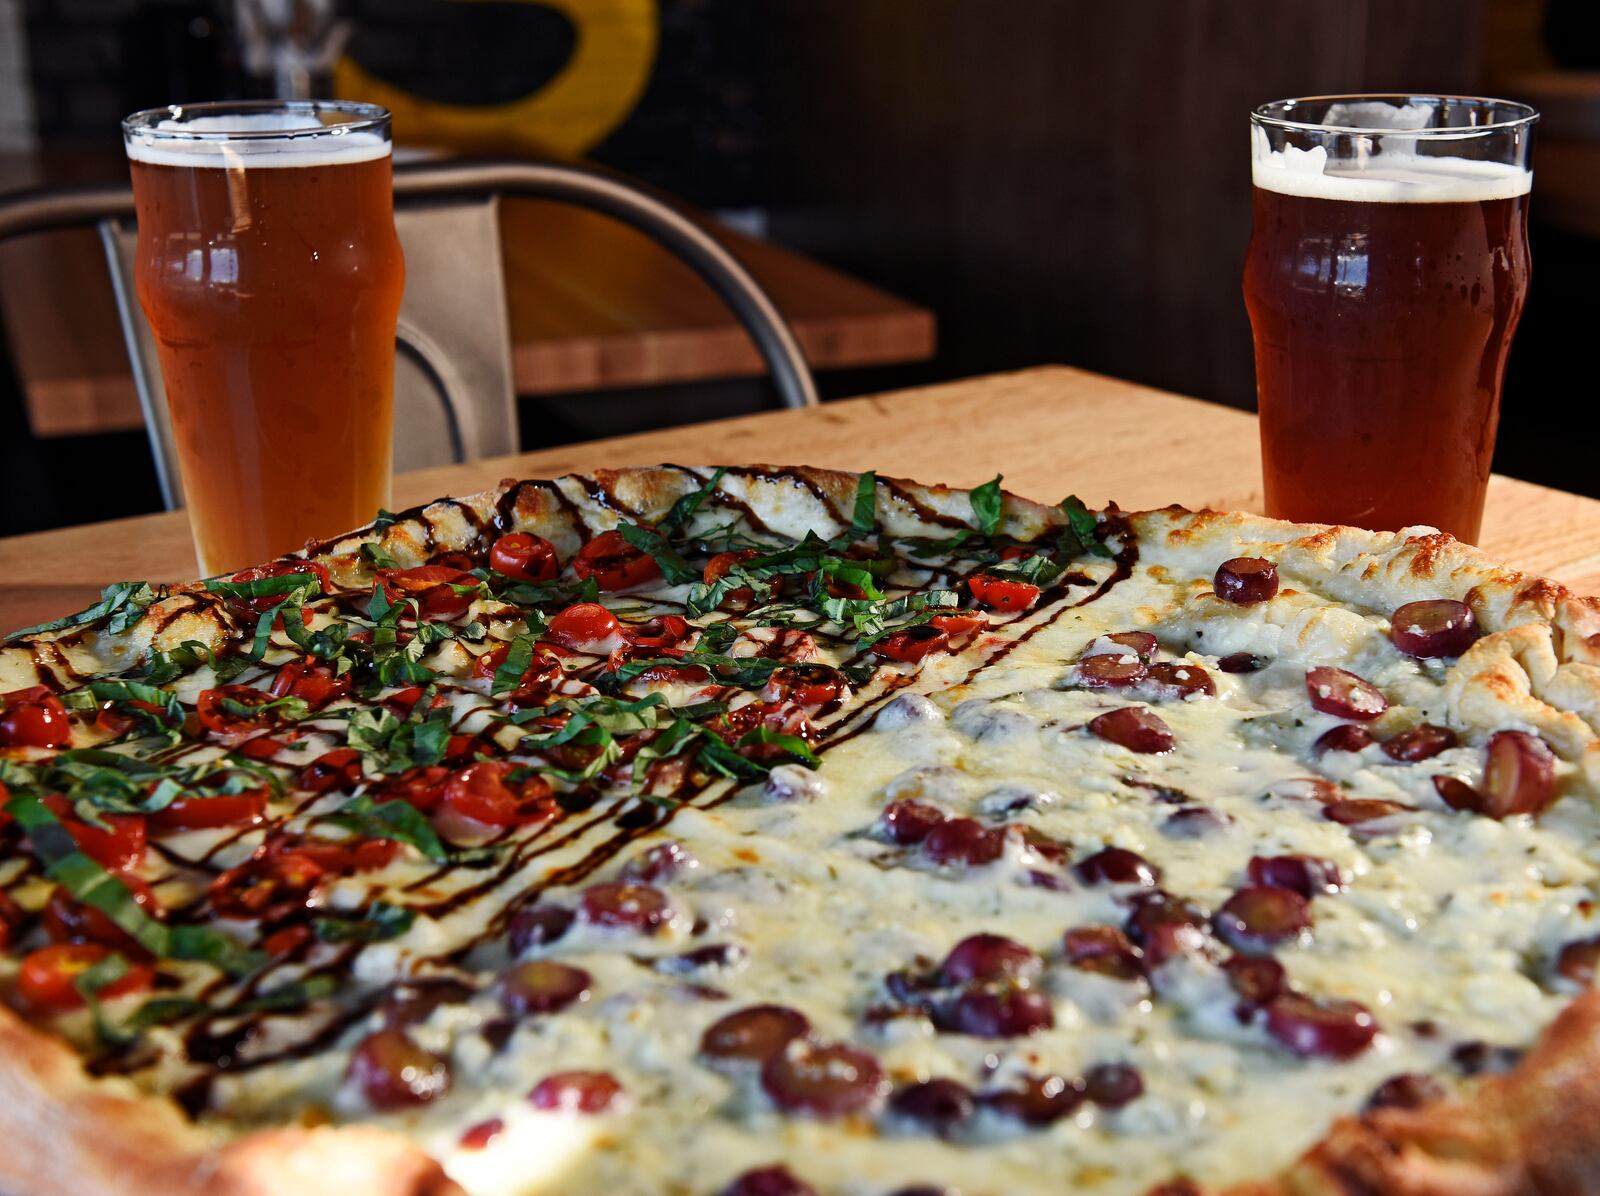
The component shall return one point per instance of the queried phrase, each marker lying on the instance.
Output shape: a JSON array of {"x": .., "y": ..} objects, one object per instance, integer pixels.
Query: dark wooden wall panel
[{"x": 1067, "y": 181}]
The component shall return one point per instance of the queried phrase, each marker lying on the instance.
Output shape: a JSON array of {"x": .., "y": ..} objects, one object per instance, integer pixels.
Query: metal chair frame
[{"x": 45, "y": 210}]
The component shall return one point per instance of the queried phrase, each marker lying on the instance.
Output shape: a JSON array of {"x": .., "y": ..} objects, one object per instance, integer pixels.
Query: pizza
[{"x": 770, "y": 831}]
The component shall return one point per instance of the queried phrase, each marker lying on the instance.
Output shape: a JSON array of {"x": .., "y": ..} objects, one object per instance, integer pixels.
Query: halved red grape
[
  {"x": 1436, "y": 627},
  {"x": 1195, "y": 822},
  {"x": 1180, "y": 681},
  {"x": 940, "y": 1105},
  {"x": 481, "y": 1135},
  {"x": 1307, "y": 875},
  {"x": 1245, "y": 580},
  {"x": 1408, "y": 1090},
  {"x": 537, "y": 925},
  {"x": 822, "y": 1079},
  {"x": 1112, "y": 670},
  {"x": 1479, "y": 1058},
  {"x": 1456, "y": 793},
  {"x": 1578, "y": 961},
  {"x": 712, "y": 957},
  {"x": 753, "y": 1035},
  {"x": 1135, "y": 728},
  {"x": 542, "y": 986},
  {"x": 989, "y": 957},
  {"x": 1112, "y": 1085},
  {"x": 1037, "y": 1100},
  {"x": 1356, "y": 810},
  {"x": 1343, "y": 694},
  {"x": 1242, "y": 662},
  {"x": 769, "y": 1181},
  {"x": 1140, "y": 643},
  {"x": 997, "y": 1012},
  {"x": 664, "y": 861},
  {"x": 1260, "y": 917},
  {"x": 1346, "y": 737},
  {"x": 964, "y": 841},
  {"x": 1165, "y": 925},
  {"x": 1519, "y": 774},
  {"x": 1117, "y": 866},
  {"x": 1257, "y": 979},
  {"x": 623, "y": 906},
  {"x": 392, "y": 1071},
  {"x": 1326, "y": 1029},
  {"x": 1419, "y": 743},
  {"x": 586, "y": 1092},
  {"x": 1104, "y": 950},
  {"x": 908, "y": 822}
]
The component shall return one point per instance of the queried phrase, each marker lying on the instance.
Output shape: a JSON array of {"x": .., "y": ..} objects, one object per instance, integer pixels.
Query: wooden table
[
  {"x": 591, "y": 304},
  {"x": 1053, "y": 431}
]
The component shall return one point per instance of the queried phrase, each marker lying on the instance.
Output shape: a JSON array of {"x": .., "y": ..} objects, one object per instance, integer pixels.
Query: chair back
[
  {"x": 454, "y": 392},
  {"x": 454, "y": 400}
]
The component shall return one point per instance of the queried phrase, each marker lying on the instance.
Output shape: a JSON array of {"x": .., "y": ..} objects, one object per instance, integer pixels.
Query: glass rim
[
  {"x": 1263, "y": 115},
  {"x": 365, "y": 118}
]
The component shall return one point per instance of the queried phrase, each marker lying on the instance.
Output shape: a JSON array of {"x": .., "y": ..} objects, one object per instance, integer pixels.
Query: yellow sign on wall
[{"x": 613, "y": 52}]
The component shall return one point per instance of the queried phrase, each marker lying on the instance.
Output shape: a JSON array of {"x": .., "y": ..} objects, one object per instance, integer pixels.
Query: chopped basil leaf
[
  {"x": 384, "y": 519},
  {"x": 377, "y": 557},
  {"x": 988, "y": 506},
  {"x": 122, "y": 604},
  {"x": 380, "y": 921},
  {"x": 518, "y": 657},
  {"x": 397, "y": 820},
  {"x": 864, "y": 518},
  {"x": 683, "y": 510},
  {"x": 296, "y": 995},
  {"x": 792, "y": 744},
  {"x": 303, "y": 584},
  {"x": 673, "y": 567},
  {"x": 1083, "y": 525},
  {"x": 1038, "y": 570}
]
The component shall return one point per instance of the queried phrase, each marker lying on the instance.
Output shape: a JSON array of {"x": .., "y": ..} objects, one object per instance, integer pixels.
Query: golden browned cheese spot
[
  {"x": 1541, "y": 594},
  {"x": 1426, "y": 550}
]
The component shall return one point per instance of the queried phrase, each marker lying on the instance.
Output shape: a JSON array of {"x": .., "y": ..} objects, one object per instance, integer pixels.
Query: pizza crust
[
  {"x": 1529, "y": 1133},
  {"x": 69, "y": 1135}
]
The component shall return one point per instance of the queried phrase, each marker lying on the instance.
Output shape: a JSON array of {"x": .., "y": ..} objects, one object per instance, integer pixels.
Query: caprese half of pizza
[{"x": 763, "y": 831}]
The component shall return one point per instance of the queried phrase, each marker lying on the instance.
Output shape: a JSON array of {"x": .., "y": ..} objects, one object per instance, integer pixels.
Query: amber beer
[
  {"x": 1383, "y": 293},
  {"x": 269, "y": 269}
]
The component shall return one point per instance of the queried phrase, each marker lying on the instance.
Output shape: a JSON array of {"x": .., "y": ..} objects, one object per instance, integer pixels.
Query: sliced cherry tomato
[
  {"x": 717, "y": 568},
  {"x": 311, "y": 681},
  {"x": 585, "y": 627},
  {"x": 261, "y": 605},
  {"x": 781, "y": 717},
  {"x": 912, "y": 644},
  {"x": 268, "y": 886},
  {"x": 434, "y": 589},
  {"x": 480, "y": 792},
  {"x": 487, "y": 664},
  {"x": 282, "y": 943},
  {"x": 119, "y": 717},
  {"x": 962, "y": 626},
  {"x": 48, "y": 978},
  {"x": 523, "y": 556},
  {"x": 614, "y": 563},
  {"x": 403, "y": 701},
  {"x": 34, "y": 717},
  {"x": 805, "y": 685},
  {"x": 119, "y": 846},
  {"x": 1002, "y": 593},
  {"x": 660, "y": 634},
  {"x": 205, "y": 811},
  {"x": 419, "y": 787},
  {"x": 464, "y": 561},
  {"x": 228, "y": 710},
  {"x": 675, "y": 674},
  {"x": 339, "y": 770},
  {"x": 265, "y": 747},
  {"x": 69, "y": 921},
  {"x": 338, "y": 857}
]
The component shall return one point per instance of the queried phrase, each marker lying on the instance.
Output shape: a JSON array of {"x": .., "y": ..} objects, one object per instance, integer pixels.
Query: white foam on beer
[
  {"x": 317, "y": 144},
  {"x": 1390, "y": 177}
]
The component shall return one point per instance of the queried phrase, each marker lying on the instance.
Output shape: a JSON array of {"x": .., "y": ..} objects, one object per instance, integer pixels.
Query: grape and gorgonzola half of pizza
[{"x": 767, "y": 831}]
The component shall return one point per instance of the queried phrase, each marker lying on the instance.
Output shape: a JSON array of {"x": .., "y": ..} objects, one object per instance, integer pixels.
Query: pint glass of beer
[
  {"x": 269, "y": 269},
  {"x": 1386, "y": 273}
]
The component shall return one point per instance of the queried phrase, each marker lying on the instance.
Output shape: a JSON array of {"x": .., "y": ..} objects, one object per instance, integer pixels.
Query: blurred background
[{"x": 929, "y": 188}]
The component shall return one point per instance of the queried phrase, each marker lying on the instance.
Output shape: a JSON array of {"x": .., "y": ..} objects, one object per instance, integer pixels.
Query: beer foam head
[
  {"x": 1398, "y": 175},
  {"x": 253, "y": 140}
]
